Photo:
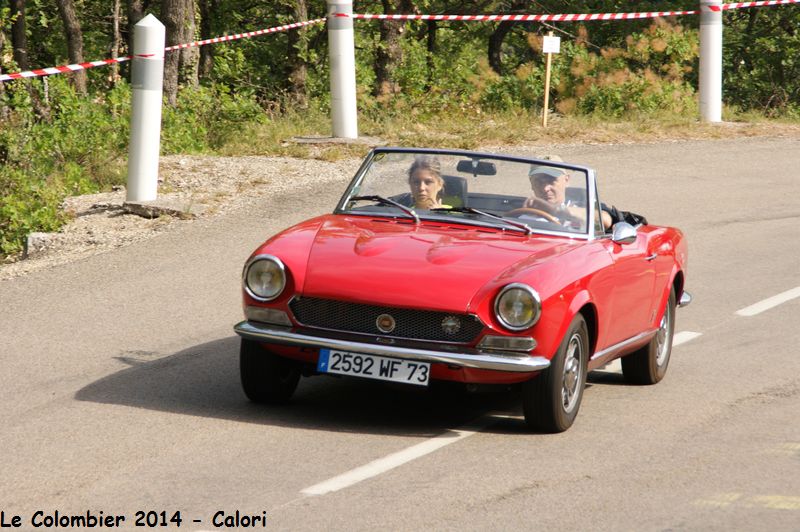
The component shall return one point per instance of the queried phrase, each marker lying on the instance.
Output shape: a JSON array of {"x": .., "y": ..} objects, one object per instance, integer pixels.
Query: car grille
[{"x": 360, "y": 318}]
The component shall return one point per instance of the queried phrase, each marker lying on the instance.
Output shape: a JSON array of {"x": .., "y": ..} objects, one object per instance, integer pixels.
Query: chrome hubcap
[
  {"x": 570, "y": 389},
  {"x": 662, "y": 345}
]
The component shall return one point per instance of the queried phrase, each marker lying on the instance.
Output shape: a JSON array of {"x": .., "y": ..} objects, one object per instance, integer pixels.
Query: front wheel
[
  {"x": 266, "y": 377},
  {"x": 551, "y": 400},
  {"x": 648, "y": 365}
]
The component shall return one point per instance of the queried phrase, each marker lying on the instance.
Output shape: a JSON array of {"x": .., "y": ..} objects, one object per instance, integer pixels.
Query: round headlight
[
  {"x": 518, "y": 307},
  {"x": 264, "y": 277}
]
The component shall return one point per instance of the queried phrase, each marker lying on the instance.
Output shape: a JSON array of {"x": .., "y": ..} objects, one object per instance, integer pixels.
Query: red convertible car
[{"x": 464, "y": 266}]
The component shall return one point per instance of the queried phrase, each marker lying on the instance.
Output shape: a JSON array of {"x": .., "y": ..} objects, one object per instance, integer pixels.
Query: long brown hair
[{"x": 430, "y": 163}]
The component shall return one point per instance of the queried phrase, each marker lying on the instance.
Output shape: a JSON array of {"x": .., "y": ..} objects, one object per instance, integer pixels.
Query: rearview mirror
[{"x": 477, "y": 167}]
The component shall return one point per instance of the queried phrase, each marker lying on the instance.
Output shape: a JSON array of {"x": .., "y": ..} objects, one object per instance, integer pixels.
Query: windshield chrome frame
[{"x": 591, "y": 192}]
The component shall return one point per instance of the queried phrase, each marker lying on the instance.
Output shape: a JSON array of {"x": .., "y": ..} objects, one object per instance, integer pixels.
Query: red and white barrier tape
[
  {"x": 60, "y": 69},
  {"x": 224, "y": 38},
  {"x": 512, "y": 18},
  {"x": 573, "y": 17},
  {"x": 82, "y": 66},
  {"x": 526, "y": 18},
  {"x": 741, "y": 5}
]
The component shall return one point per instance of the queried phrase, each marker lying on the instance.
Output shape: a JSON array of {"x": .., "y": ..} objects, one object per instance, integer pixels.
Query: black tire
[
  {"x": 551, "y": 400},
  {"x": 266, "y": 377},
  {"x": 648, "y": 365}
]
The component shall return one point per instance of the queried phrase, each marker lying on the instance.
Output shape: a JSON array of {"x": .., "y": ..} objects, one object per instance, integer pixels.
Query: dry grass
[{"x": 472, "y": 129}]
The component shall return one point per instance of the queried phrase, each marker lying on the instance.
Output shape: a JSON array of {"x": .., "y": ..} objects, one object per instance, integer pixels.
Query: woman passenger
[{"x": 425, "y": 180}]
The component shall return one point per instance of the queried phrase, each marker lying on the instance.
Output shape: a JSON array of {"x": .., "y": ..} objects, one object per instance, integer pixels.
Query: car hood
[{"x": 399, "y": 263}]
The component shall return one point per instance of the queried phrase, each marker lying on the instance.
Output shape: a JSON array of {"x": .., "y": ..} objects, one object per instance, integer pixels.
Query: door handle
[{"x": 651, "y": 257}]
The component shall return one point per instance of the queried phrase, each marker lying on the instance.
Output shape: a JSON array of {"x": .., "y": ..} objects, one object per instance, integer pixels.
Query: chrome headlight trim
[
  {"x": 536, "y": 302},
  {"x": 281, "y": 268}
]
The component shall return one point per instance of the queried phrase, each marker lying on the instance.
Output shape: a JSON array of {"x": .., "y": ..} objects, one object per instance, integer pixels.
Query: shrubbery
[
  {"x": 79, "y": 145},
  {"x": 650, "y": 75}
]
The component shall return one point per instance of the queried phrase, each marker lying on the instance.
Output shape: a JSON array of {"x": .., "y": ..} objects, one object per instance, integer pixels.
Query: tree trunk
[
  {"x": 135, "y": 14},
  {"x": 208, "y": 13},
  {"x": 389, "y": 54},
  {"x": 180, "y": 66},
  {"x": 431, "y": 48},
  {"x": 3, "y": 107},
  {"x": 72, "y": 28},
  {"x": 296, "y": 64},
  {"x": 116, "y": 42},
  {"x": 496, "y": 46},
  {"x": 19, "y": 38},
  {"x": 19, "y": 44}
]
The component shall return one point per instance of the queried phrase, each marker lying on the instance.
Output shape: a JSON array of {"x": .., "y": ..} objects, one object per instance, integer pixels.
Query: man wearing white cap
[{"x": 549, "y": 186}]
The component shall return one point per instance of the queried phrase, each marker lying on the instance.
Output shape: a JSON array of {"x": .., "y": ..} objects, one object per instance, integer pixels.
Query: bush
[
  {"x": 648, "y": 75},
  {"x": 26, "y": 205},
  {"x": 77, "y": 149},
  {"x": 761, "y": 61},
  {"x": 205, "y": 117},
  {"x": 81, "y": 147}
]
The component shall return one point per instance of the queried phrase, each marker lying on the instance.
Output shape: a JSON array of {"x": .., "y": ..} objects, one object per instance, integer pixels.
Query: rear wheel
[
  {"x": 266, "y": 377},
  {"x": 648, "y": 365},
  {"x": 551, "y": 400}
]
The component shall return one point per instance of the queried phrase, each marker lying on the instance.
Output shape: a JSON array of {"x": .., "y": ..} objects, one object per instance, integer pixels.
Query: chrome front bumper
[{"x": 462, "y": 357}]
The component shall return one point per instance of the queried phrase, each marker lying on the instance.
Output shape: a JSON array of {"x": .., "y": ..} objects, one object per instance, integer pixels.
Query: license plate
[{"x": 373, "y": 367}]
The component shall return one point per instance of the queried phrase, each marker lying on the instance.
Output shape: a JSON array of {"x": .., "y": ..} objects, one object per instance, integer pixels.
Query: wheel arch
[
  {"x": 677, "y": 284},
  {"x": 581, "y": 304},
  {"x": 589, "y": 313}
]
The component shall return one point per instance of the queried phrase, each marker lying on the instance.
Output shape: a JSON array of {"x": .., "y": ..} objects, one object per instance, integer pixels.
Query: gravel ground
[{"x": 202, "y": 185}]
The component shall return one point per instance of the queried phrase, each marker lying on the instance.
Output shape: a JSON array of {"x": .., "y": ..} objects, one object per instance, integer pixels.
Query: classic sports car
[{"x": 463, "y": 266}]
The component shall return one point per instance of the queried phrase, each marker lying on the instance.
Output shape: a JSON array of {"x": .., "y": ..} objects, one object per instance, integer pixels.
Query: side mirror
[{"x": 624, "y": 233}]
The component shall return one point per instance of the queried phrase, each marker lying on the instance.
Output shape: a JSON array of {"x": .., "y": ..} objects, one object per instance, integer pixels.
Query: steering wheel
[{"x": 527, "y": 210}]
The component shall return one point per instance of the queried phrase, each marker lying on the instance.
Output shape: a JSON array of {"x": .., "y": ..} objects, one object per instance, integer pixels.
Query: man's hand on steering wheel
[
  {"x": 559, "y": 213},
  {"x": 535, "y": 203}
]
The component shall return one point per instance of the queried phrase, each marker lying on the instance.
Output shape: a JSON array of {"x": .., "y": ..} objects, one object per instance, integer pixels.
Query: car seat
[{"x": 455, "y": 191}]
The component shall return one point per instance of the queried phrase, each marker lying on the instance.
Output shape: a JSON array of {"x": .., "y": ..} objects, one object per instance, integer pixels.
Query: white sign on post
[{"x": 551, "y": 45}]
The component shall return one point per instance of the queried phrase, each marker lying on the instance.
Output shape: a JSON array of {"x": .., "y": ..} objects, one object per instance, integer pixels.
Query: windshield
[{"x": 513, "y": 193}]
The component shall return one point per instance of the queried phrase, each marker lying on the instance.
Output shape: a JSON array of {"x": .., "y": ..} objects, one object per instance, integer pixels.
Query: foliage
[
  {"x": 205, "y": 117},
  {"x": 647, "y": 75},
  {"x": 81, "y": 148},
  {"x": 762, "y": 61},
  {"x": 54, "y": 142}
]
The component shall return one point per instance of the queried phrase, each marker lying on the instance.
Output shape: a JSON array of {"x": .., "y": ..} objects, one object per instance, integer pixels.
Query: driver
[{"x": 549, "y": 185}]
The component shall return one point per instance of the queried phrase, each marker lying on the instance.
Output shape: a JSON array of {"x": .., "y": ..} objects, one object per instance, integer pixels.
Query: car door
[{"x": 633, "y": 275}]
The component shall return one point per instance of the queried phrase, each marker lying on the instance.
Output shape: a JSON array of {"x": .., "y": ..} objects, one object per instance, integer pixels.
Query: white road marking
[
  {"x": 382, "y": 465},
  {"x": 770, "y": 302},
  {"x": 387, "y": 463},
  {"x": 771, "y": 502},
  {"x": 684, "y": 336}
]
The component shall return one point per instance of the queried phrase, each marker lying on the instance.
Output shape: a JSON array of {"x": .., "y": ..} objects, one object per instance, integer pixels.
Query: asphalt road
[{"x": 119, "y": 387}]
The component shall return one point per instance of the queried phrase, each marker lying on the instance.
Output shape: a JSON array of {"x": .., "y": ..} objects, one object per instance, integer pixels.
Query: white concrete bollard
[
  {"x": 147, "y": 81},
  {"x": 342, "y": 58},
  {"x": 710, "y": 61}
]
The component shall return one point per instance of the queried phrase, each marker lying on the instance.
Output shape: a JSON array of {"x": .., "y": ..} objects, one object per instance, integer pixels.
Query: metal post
[
  {"x": 342, "y": 57},
  {"x": 147, "y": 81},
  {"x": 547, "y": 85},
  {"x": 711, "y": 60}
]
